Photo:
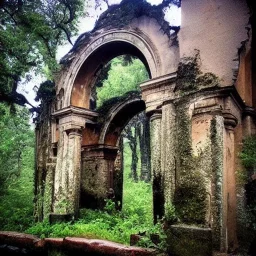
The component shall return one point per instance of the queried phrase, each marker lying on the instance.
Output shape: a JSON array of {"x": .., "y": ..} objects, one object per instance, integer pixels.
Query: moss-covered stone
[
  {"x": 189, "y": 241},
  {"x": 190, "y": 77},
  {"x": 216, "y": 133},
  {"x": 190, "y": 194},
  {"x": 208, "y": 80},
  {"x": 187, "y": 73},
  {"x": 108, "y": 104},
  {"x": 120, "y": 16}
]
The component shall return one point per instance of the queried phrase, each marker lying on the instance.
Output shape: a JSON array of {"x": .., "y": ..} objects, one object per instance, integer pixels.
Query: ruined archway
[
  {"x": 196, "y": 118},
  {"x": 100, "y": 50}
]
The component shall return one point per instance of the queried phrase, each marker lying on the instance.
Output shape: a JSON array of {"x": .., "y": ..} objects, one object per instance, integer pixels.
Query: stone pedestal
[{"x": 97, "y": 176}]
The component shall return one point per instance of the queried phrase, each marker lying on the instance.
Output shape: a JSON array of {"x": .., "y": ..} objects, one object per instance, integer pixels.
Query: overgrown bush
[{"x": 248, "y": 159}]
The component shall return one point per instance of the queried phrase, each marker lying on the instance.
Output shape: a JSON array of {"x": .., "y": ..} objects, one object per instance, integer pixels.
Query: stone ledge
[
  {"x": 67, "y": 246},
  {"x": 19, "y": 239}
]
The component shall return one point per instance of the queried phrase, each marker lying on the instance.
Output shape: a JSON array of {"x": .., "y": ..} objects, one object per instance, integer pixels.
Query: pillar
[
  {"x": 157, "y": 173},
  {"x": 67, "y": 176},
  {"x": 97, "y": 176},
  {"x": 168, "y": 150},
  {"x": 230, "y": 123},
  {"x": 67, "y": 172}
]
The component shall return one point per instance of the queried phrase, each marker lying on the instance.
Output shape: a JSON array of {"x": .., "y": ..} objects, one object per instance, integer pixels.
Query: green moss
[
  {"x": 190, "y": 77},
  {"x": 248, "y": 160},
  {"x": 187, "y": 73},
  {"x": 107, "y": 105},
  {"x": 207, "y": 80},
  {"x": 190, "y": 195},
  {"x": 55, "y": 252},
  {"x": 46, "y": 92},
  {"x": 189, "y": 241},
  {"x": 216, "y": 136}
]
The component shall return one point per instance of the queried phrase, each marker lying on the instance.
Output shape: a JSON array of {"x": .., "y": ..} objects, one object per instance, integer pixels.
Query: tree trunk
[{"x": 133, "y": 146}]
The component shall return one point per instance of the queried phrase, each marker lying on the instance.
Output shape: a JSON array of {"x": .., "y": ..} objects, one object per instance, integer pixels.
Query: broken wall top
[{"x": 121, "y": 16}]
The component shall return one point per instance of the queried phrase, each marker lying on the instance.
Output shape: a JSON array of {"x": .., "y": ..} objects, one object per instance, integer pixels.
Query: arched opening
[
  {"x": 93, "y": 65},
  {"x": 123, "y": 112}
]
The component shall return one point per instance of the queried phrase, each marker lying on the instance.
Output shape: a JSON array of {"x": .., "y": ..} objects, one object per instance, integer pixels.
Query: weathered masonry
[{"x": 200, "y": 101}]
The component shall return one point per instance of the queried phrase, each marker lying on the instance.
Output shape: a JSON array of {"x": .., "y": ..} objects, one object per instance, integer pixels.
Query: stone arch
[
  {"x": 100, "y": 50},
  {"x": 119, "y": 116}
]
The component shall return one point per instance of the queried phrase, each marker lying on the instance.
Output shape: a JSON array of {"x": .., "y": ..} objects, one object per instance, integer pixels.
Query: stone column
[
  {"x": 68, "y": 167},
  {"x": 168, "y": 150},
  {"x": 248, "y": 121},
  {"x": 158, "y": 178},
  {"x": 230, "y": 123},
  {"x": 67, "y": 172},
  {"x": 218, "y": 189}
]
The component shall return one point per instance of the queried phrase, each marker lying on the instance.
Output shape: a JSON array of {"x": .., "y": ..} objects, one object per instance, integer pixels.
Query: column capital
[
  {"x": 155, "y": 114},
  {"x": 74, "y": 118},
  {"x": 230, "y": 121},
  {"x": 249, "y": 111},
  {"x": 158, "y": 90}
]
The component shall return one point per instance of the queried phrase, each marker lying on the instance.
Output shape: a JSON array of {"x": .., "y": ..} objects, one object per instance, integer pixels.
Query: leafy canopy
[
  {"x": 30, "y": 31},
  {"x": 123, "y": 76}
]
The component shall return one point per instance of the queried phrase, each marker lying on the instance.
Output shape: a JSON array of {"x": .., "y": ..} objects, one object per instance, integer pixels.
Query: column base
[{"x": 57, "y": 218}]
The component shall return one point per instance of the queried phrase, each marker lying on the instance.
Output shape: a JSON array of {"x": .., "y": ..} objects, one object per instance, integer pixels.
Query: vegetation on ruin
[
  {"x": 136, "y": 215},
  {"x": 190, "y": 194},
  {"x": 190, "y": 77},
  {"x": 111, "y": 224}
]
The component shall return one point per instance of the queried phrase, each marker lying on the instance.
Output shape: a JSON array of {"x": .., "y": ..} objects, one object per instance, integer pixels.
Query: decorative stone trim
[
  {"x": 158, "y": 81},
  {"x": 74, "y": 118},
  {"x": 230, "y": 121},
  {"x": 249, "y": 111},
  {"x": 157, "y": 114},
  {"x": 99, "y": 151},
  {"x": 71, "y": 110}
]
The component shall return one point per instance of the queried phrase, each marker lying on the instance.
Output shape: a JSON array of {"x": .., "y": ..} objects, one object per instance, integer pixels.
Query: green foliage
[
  {"x": 190, "y": 77},
  {"x": 30, "y": 32},
  {"x": 15, "y": 137},
  {"x": 188, "y": 70},
  {"x": 16, "y": 169},
  {"x": 46, "y": 91},
  {"x": 248, "y": 153},
  {"x": 248, "y": 159},
  {"x": 190, "y": 198},
  {"x": 122, "y": 77},
  {"x": 170, "y": 215},
  {"x": 190, "y": 194}
]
